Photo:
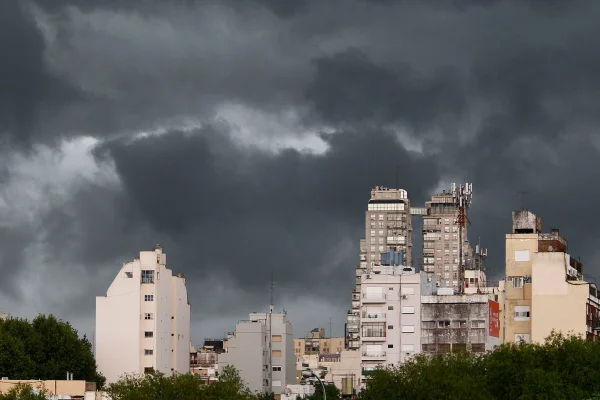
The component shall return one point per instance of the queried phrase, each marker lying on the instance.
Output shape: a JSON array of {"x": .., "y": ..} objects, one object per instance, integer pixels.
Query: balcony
[
  {"x": 373, "y": 297},
  {"x": 370, "y": 336},
  {"x": 373, "y": 355},
  {"x": 373, "y": 316}
]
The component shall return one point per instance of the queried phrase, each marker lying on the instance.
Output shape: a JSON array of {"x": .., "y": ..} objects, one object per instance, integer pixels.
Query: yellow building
[
  {"x": 318, "y": 345},
  {"x": 544, "y": 290}
]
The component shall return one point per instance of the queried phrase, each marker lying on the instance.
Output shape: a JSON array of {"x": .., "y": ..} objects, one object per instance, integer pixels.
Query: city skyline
[{"x": 193, "y": 124}]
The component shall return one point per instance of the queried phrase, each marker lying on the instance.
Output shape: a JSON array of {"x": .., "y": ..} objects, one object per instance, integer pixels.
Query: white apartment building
[
  {"x": 264, "y": 356},
  {"x": 143, "y": 322},
  {"x": 390, "y": 315}
]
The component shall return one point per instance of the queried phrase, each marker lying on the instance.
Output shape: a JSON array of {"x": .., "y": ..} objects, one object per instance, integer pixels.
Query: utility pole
[{"x": 271, "y": 309}]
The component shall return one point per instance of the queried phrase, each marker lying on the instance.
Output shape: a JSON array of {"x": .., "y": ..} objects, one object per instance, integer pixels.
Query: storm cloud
[{"x": 244, "y": 137}]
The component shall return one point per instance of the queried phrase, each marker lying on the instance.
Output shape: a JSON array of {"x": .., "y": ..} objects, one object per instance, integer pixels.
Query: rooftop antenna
[
  {"x": 522, "y": 195},
  {"x": 330, "y": 323},
  {"x": 271, "y": 287},
  {"x": 397, "y": 175}
]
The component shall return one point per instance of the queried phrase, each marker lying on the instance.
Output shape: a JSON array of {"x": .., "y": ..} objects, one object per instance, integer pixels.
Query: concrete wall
[
  {"x": 68, "y": 388},
  {"x": 556, "y": 304},
  {"x": 248, "y": 353}
]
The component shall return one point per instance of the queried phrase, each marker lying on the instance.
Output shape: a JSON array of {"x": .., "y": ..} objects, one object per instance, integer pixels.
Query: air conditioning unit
[
  {"x": 404, "y": 297},
  {"x": 5, "y": 378}
]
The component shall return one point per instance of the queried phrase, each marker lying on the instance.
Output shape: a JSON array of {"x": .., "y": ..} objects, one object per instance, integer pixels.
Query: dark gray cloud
[{"x": 501, "y": 93}]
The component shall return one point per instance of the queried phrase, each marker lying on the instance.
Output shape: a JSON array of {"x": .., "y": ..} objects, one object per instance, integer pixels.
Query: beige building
[
  {"x": 333, "y": 367},
  {"x": 72, "y": 388},
  {"x": 545, "y": 289},
  {"x": 319, "y": 345}
]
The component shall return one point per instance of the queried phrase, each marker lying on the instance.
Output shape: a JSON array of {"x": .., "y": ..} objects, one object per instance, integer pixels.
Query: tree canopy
[
  {"x": 45, "y": 349},
  {"x": 157, "y": 386},
  {"x": 561, "y": 368}
]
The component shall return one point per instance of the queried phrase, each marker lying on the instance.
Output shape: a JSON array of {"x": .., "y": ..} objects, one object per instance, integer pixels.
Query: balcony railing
[
  {"x": 373, "y": 315},
  {"x": 373, "y": 296},
  {"x": 373, "y": 354},
  {"x": 373, "y": 334}
]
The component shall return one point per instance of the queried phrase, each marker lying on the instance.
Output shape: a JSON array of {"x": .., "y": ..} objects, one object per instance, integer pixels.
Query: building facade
[
  {"x": 262, "y": 350},
  {"x": 455, "y": 323},
  {"x": 545, "y": 289},
  {"x": 143, "y": 322},
  {"x": 390, "y": 316},
  {"x": 318, "y": 345}
]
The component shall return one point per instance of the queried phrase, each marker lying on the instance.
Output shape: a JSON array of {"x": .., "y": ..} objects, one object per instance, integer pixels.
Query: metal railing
[
  {"x": 374, "y": 354},
  {"x": 374, "y": 296},
  {"x": 373, "y": 315}
]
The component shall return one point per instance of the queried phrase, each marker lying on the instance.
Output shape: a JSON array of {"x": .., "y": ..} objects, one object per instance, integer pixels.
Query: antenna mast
[
  {"x": 522, "y": 194},
  {"x": 462, "y": 197}
]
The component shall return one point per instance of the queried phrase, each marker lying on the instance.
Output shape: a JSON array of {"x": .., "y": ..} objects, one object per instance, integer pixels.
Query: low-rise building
[
  {"x": 262, "y": 350},
  {"x": 320, "y": 345},
  {"x": 390, "y": 314}
]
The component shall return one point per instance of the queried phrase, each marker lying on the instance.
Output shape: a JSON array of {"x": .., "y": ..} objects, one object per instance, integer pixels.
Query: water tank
[{"x": 347, "y": 386}]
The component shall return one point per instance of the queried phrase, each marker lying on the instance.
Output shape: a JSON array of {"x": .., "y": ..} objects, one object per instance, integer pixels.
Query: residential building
[
  {"x": 390, "y": 313},
  {"x": 319, "y": 345},
  {"x": 459, "y": 322},
  {"x": 388, "y": 226},
  {"x": 545, "y": 289},
  {"x": 333, "y": 368},
  {"x": 143, "y": 322},
  {"x": 262, "y": 350},
  {"x": 4, "y": 316}
]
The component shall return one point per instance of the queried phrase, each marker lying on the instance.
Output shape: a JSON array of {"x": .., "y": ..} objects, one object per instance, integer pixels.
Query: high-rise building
[
  {"x": 143, "y": 322},
  {"x": 387, "y": 227},
  {"x": 545, "y": 289},
  {"x": 447, "y": 252},
  {"x": 262, "y": 350}
]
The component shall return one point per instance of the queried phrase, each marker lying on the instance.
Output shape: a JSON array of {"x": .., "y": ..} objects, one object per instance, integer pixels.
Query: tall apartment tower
[
  {"x": 143, "y": 322},
  {"x": 262, "y": 350},
  {"x": 388, "y": 227},
  {"x": 447, "y": 253}
]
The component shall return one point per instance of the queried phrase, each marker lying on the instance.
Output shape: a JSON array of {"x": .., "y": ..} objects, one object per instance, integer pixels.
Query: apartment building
[
  {"x": 388, "y": 226},
  {"x": 454, "y": 323},
  {"x": 390, "y": 315},
  {"x": 545, "y": 289},
  {"x": 143, "y": 322},
  {"x": 262, "y": 350},
  {"x": 318, "y": 345}
]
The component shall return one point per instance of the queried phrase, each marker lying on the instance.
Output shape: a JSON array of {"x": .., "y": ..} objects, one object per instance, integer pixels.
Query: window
[
  {"x": 148, "y": 352},
  {"x": 408, "y": 328},
  {"x": 408, "y": 310},
  {"x": 148, "y": 316},
  {"x": 276, "y": 383},
  {"x": 521, "y": 255},
  {"x": 522, "y": 313},
  {"x": 381, "y": 217},
  {"x": 276, "y": 338},
  {"x": 372, "y": 217},
  {"x": 148, "y": 370},
  {"x": 390, "y": 346},
  {"x": 128, "y": 274},
  {"x": 390, "y": 326},
  {"x": 148, "y": 297},
  {"x": 428, "y": 324},
  {"x": 459, "y": 324},
  {"x": 517, "y": 282},
  {"x": 390, "y": 288},
  {"x": 408, "y": 348},
  {"x": 147, "y": 276},
  {"x": 390, "y": 307},
  {"x": 408, "y": 290},
  {"x": 372, "y": 232},
  {"x": 276, "y": 353},
  {"x": 276, "y": 368},
  {"x": 478, "y": 323},
  {"x": 148, "y": 334},
  {"x": 443, "y": 324}
]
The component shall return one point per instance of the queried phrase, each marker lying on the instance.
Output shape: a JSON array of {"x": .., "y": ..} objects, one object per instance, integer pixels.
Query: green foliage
[
  {"x": 45, "y": 349},
  {"x": 561, "y": 368},
  {"x": 23, "y": 392},
  {"x": 157, "y": 386}
]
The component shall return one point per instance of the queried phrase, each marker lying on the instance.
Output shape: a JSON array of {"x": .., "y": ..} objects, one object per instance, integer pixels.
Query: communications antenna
[{"x": 462, "y": 197}]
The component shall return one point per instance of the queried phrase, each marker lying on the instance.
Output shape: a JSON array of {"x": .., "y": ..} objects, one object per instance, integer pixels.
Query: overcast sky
[{"x": 244, "y": 136}]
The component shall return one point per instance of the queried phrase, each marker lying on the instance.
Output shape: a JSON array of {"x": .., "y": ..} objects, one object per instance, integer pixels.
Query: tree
[
  {"x": 156, "y": 386},
  {"x": 45, "y": 349},
  {"x": 561, "y": 368},
  {"x": 23, "y": 392},
  {"x": 331, "y": 390}
]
